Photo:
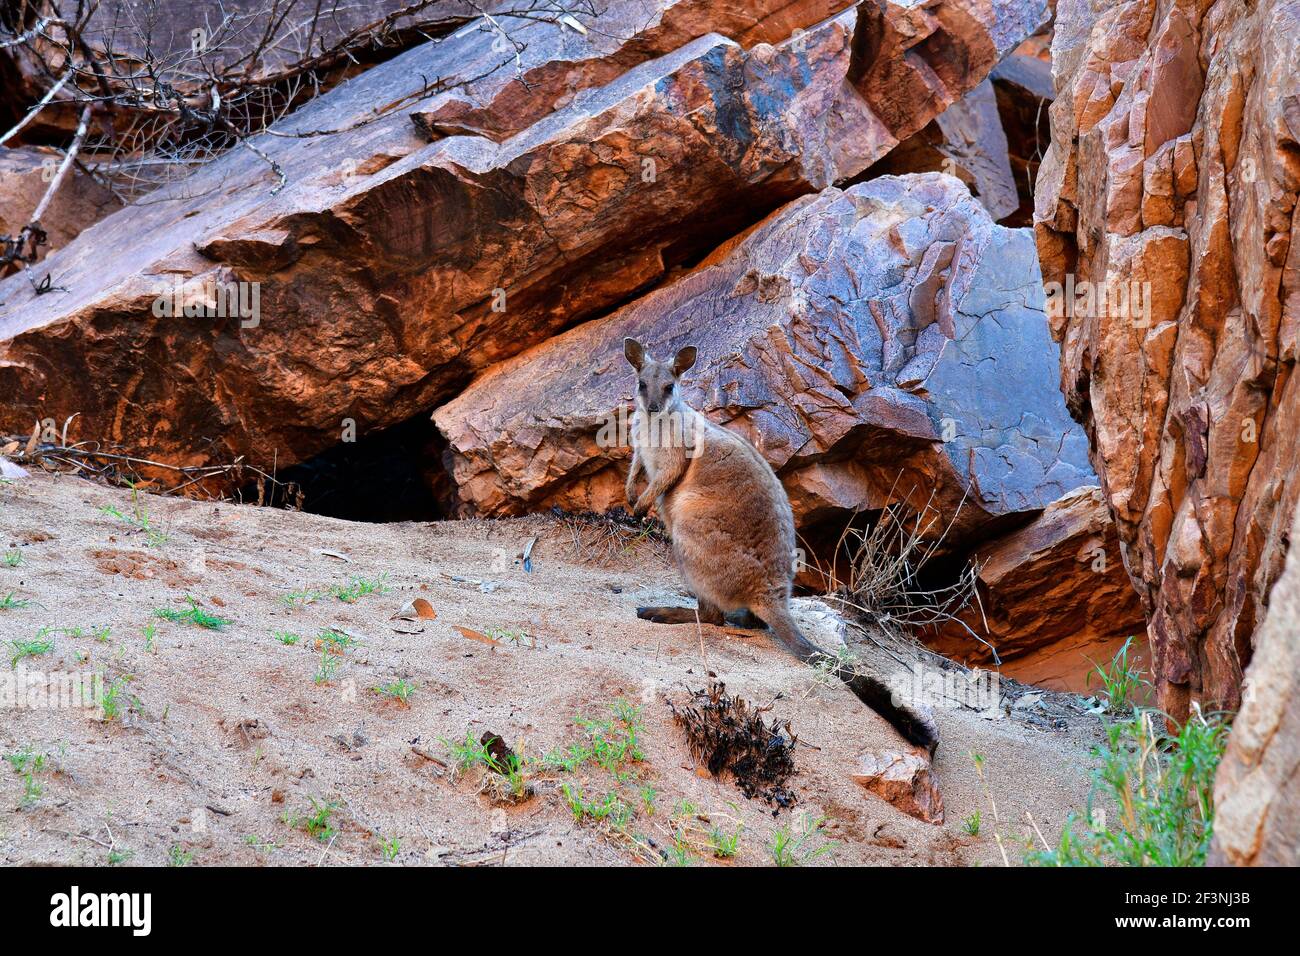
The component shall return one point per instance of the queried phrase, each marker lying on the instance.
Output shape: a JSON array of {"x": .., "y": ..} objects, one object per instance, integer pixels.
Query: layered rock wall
[{"x": 1169, "y": 198}]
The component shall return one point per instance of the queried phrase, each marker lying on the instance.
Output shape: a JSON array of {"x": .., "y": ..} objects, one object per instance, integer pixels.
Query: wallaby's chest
[{"x": 661, "y": 443}]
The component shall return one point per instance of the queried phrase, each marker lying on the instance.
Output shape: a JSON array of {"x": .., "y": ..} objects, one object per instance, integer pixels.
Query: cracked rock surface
[
  {"x": 852, "y": 336},
  {"x": 1174, "y": 170}
]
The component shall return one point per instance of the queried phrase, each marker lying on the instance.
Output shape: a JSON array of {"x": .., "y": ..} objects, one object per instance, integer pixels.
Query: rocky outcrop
[
  {"x": 1166, "y": 214},
  {"x": 25, "y": 176},
  {"x": 390, "y": 270},
  {"x": 965, "y": 140},
  {"x": 1257, "y": 789},
  {"x": 1054, "y": 598},
  {"x": 1023, "y": 85},
  {"x": 902, "y": 778},
  {"x": 858, "y": 338}
]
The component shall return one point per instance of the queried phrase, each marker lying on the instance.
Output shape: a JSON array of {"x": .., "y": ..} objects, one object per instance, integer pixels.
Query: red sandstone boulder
[
  {"x": 1054, "y": 598},
  {"x": 390, "y": 270},
  {"x": 904, "y": 779}
]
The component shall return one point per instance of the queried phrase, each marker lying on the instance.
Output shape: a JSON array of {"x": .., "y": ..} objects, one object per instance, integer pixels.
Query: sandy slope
[{"x": 234, "y": 731}]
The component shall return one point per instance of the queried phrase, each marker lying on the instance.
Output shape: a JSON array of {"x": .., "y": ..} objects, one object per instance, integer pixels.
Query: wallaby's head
[{"x": 656, "y": 382}]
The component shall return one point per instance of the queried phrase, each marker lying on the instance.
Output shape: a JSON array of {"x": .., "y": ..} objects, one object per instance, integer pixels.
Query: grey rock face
[{"x": 888, "y": 329}]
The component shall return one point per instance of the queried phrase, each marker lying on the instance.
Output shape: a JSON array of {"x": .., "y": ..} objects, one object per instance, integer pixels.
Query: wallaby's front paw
[{"x": 639, "y": 508}]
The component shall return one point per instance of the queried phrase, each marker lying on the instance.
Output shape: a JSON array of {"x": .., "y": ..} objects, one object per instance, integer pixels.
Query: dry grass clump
[{"x": 884, "y": 578}]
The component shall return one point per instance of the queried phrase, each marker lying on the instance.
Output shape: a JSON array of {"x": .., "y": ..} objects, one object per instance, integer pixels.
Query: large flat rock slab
[{"x": 391, "y": 269}]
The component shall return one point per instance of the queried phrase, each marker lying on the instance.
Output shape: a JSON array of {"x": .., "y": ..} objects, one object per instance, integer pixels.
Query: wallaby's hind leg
[
  {"x": 708, "y": 614},
  {"x": 746, "y": 619},
  {"x": 914, "y": 725}
]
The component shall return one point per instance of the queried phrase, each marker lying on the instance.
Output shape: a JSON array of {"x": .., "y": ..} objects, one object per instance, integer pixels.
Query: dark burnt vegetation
[{"x": 731, "y": 736}]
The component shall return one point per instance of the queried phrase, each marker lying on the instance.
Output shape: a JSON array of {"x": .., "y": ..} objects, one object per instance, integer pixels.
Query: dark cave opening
[{"x": 391, "y": 474}]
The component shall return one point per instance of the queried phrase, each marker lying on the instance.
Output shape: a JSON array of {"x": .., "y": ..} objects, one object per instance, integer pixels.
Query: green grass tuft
[{"x": 193, "y": 615}]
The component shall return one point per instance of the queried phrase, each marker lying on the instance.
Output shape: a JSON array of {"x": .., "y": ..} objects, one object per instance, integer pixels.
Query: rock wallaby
[{"x": 730, "y": 523}]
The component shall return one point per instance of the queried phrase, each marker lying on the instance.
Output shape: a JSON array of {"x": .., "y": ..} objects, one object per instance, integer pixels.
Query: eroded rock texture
[
  {"x": 1257, "y": 790},
  {"x": 392, "y": 269},
  {"x": 966, "y": 140},
  {"x": 1175, "y": 165},
  {"x": 25, "y": 176},
  {"x": 903, "y": 778},
  {"x": 866, "y": 341},
  {"x": 1052, "y": 595}
]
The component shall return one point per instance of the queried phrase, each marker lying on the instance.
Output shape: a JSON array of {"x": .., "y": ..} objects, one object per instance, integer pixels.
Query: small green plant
[
  {"x": 972, "y": 824},
  {"x": 117, "y": 857},
  {"x": 679, "y": 854},
  {"x": 303, "y": 597},
  {"x": 466, "y": 755},
  {"x": 827, "y": 667},
  {"x": 115, "y": 701},
  {"x": 796, "y": 848},
  {"x": 612, "y": 743},
  {"x": 258, "y": 843},
  {"x": 176, "y": 856},
  {"x": 150, "y": 635},
  {"x": 508, "y": 782},
  {"x": 507, "y": 636},
  {"x": 316, "y": 824},
  {"x": 21, "y": 649},
  {"x": 329, "y": 667},
  {"x": 1121, "y": 680},
  {"x": 99, "y": 633},
  {"x": 287, "y": 638},
  {"x": 1161, "y": 787},
  {"x": 335, "y": 642},
  {"x": 13, "y": 558},
  {"x": 390, "y": 847},
  {"x": 138, "y": 519},
  {"x": 512, "y": 769},
  {"x": 357, "y": 588},
  {"x": 400, "y": 690},
  {"x": 724, "y": 844},
  {"x": 11, "y": 603},
  {"x": 29, "y": 764},
  {"x": 193, "y": 615},
  {"x": 610, "y": 809}
]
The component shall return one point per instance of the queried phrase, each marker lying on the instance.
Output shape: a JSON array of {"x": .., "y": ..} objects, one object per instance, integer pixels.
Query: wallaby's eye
[{"x": 641, "y": 387}]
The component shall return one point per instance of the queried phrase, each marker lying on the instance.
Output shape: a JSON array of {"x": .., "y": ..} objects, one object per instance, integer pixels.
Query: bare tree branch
[
  {"x": 40, "y": 105},
  {"x": 163, "y": 108}
]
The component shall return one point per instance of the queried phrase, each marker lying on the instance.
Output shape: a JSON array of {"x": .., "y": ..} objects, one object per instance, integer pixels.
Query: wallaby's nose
[{"x": 652, "y": 406}]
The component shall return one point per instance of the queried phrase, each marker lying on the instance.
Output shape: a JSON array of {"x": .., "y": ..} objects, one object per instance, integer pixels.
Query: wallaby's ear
[
  {"x": 683, "y": 360},
  {"x": 634, "y": 352}
]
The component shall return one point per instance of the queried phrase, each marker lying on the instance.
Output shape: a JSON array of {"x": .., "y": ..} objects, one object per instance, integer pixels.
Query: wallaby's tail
[{"x": 916, "y": 726}]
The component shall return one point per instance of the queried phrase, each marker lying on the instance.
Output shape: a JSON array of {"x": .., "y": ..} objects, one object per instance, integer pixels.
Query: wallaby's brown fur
[{"x": 729, "y": 519}]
